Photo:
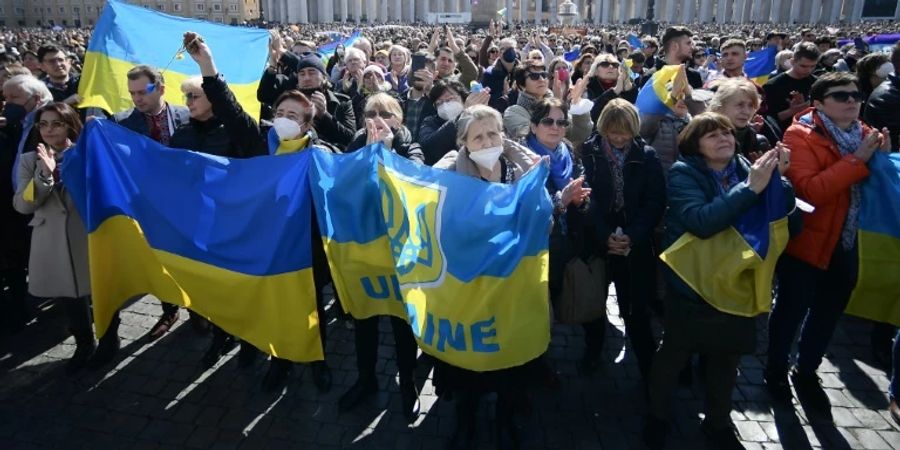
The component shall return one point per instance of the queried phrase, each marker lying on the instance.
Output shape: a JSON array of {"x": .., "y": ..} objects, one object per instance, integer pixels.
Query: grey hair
[
  {"x": 31, "y": 86},
  {"x": 472, "y": 114},
  {"x": 353, "y": 51},
  {"x": 192, "y": 83}
]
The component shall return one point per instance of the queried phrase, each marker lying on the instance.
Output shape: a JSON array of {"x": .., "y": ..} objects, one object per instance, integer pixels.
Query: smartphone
[
  {"x": 418, "y": 63},
  {"x": 562, "y": 74}
]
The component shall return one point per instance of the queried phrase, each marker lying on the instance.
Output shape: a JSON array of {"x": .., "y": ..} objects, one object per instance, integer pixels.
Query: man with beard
[
  {"x": 679, "y": 49},
  {"x": 335, "y": 121}
]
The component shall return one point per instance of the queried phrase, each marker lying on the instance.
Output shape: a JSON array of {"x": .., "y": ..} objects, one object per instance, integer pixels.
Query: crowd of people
[{"x": 491, "y": 103}]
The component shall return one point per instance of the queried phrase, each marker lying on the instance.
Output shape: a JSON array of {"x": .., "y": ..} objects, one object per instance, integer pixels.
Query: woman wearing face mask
[
  {"x": 292, "y": 131},
  {"x": 437, "y": 134},
  {"x": 628, "y": 198},
  {"x": 738, "y": 100},
  {"x": 58, "y": 262},
  {"x": 608, "y": 79},
  {"x": 484, "y": 153}
]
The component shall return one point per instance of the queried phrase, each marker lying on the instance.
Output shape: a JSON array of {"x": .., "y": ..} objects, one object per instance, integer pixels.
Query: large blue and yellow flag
[
  {"x": 877, "y": 293},
  {"x": 733, "y": 270},
  {"x": 654, "y": 97},
  {"x": 760, "y": 64},
  {"x": 229, "y": 239},
  {"x": 327, "y": 51},
  {"x": 128, "y": 35},
  {"x": 465, "y": 262}
]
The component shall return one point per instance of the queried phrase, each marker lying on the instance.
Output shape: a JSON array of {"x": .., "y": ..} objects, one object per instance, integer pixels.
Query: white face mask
[
  {"x": 884, "y": 70},
  {"x": 487, "y": 158},
  {"x": 286, "y": 128},
  {"x": 450, "y": 110}
]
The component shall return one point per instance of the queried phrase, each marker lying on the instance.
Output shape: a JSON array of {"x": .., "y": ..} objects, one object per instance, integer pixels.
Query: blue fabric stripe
[
  {"x": 880, "y": 207},
  {"x": 753, "y": 225},
  {"x": 761, "y": 62},
  {"x": 250, "y": 216}
]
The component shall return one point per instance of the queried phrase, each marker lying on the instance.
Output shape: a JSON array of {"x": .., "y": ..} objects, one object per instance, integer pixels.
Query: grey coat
[{"x": 58, "y": 264}]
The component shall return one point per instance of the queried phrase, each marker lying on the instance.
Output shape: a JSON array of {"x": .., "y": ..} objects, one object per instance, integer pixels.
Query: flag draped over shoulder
[
  {"x": 877, "y": 293},
  {"x": 465, "y": 262},
  {"x": 760, "y": 64},
  {"x": 128, "y": 35},
  {"x": 229, "y": 239},
  {"x": 654, "y": 98},
  {"x": 733, "y": 269}
]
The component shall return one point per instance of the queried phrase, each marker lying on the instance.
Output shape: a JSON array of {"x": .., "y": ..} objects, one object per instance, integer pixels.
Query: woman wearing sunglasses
[
  {"x": 608, "y": 79},
  {"x": 533, "y": 82},
  {"x": 628, "y": 198},
  {"x": 830, "y": 148},
  {"x": 58, "y": 262},
  {"x": 383, "y": 122}
]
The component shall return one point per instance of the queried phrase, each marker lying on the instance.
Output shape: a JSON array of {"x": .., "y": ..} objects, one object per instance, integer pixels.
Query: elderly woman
[
  {"x": 830, "y": 147},
  {"x": 608, "y": 79},
  {"x": 738, "y": 100},
  {"x": 532, "y": 80},
  {"x": 486, "y": 154},
  {"x": 398, "y": 69},
  {"x": 627, "y": 202},
  {"x": 373, "y": 82},
  {"x": 58, "y": 261},
  {"x": 710, "y": 187},
  {"x": 437, "y": 134}
]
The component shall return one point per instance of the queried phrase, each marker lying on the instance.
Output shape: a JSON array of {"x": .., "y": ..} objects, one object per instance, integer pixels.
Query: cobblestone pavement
[{"x": 156, "y": 395}]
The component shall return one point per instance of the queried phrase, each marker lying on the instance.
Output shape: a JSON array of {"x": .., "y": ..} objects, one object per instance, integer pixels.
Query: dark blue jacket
[
  {"x": 135, "y": 121},
  {"x": 438, "y": 137}
]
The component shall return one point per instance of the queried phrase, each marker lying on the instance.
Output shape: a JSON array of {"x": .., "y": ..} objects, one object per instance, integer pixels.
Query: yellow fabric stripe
[
  {"x": 28, "y": 193},
  {"x": 104, "y": 84},
  {"x": 876, "y": 294},
  {"x": 725, "y": 270},
  {"x": 292, "y": 145},
  {"x": 276, "y": 313}
]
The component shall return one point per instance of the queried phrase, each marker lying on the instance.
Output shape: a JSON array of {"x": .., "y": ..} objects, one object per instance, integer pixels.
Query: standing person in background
[
  {"x": 788, "y": 93},
  {"x": 881, "y": 109},
  {"x": 62, "y": 83}
]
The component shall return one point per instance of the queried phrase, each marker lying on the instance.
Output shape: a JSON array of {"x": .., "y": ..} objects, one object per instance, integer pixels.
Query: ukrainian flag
[
  {"x": 760, "y": 64},
  {"x": 229, "y": 239},
  {"x": 465, "y": 262},
  {"x": 733, "y": 270},
  {"x": 327, "y": 50},
  {"x": 654, "y": 98},
  {"x": 128, "y": 35},
  {"x": 878, "y": 285}
]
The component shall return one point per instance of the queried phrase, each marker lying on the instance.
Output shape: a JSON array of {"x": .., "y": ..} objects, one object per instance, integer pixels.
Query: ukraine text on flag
[
  {"x": 229, "y": 239},
  {"x": 877, "y": 292},
  {"x": 465, "y": 262},
  {"x": 128, "y": 35},
  {"x": 733, "y": 270}
]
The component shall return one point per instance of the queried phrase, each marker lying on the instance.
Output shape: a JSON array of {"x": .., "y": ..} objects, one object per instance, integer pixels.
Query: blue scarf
[
  {"x": 560, "y": 161},
  {"x": 727, "y": 178}
]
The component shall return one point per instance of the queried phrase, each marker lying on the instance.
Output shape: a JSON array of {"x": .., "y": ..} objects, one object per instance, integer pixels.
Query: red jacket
[{"x": 821, "y": 177}]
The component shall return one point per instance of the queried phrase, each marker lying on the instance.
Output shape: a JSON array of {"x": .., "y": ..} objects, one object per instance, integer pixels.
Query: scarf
[
  {"x": 848, "y": 141},
  {"x": 726, "y": 178},
  {"x": 560, "y": 160},
  {"x": 616, "y": 159},
  {"x": 527, "y": 101}
]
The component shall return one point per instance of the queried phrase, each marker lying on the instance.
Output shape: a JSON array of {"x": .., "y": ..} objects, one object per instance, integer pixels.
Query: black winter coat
[
  {"x": 881, "y": 109},
  {"x": 438, "y": 137},
  {"x": 208, "y": 137},
  {"x": 402, "y": 144}
]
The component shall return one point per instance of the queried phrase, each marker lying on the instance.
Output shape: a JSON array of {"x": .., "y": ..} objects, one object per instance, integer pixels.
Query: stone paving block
[
  {"x": 751, "y": 431},
  {"x": 870, "y": 439},
  {"x": 891, "y": 437}
]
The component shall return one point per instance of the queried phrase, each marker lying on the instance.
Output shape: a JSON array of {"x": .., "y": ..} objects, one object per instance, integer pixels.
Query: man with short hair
[
  {"x": 678, "y": 48},
  {"x": 55, "y": 65},
  {"x": 788, "y": 93},
  {"x": 776, "y": 39},
  {"x": 416, "y": 104}
]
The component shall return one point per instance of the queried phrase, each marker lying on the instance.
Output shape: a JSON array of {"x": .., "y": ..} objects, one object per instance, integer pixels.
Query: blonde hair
[
  {"x": 731, "y": 90},
  {"x": 599, "y": 58},
  {"x": 619, "y": 116},
  {"x": 401, "y": 49},
  {"x": 191, "y": 84},
  {"x": 472, "y": 114},
  {"x": 384, "y": 102}
]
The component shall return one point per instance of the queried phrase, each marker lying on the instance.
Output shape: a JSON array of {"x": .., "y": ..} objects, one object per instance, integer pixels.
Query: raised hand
[{"x": 46, "y": 160}]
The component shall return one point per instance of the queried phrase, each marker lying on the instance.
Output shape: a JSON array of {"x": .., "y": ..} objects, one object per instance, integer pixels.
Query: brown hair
[
  {"x": 298, "y": 97},
  {"x": 66, "y": 114},
  {"x": 619, "y": 115},
  {"x": 699, "y": 126},
  {"x": 542, "y": 109},
  {"x": 144, "y": 70}
]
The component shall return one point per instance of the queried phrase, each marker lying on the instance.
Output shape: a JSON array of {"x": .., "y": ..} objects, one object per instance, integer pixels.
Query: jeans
[
  {"x": 894, "y": 388},
  {"x": 812, "y": 300}
]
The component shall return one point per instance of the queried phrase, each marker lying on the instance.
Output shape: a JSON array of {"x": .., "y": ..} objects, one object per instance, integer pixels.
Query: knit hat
[
  {"x": 311, "y": 61},
  {"x": 377, "y": 68}
]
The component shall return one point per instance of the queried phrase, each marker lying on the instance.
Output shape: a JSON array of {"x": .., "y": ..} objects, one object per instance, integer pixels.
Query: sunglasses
[
  {"x": 549, "y": 121},
  {"x": 53, "y": 125},
  {"x": 382, "y": 114},
  {"x": 607, "y": 64},
  {"x": 190, "y": 96},
  {"x": 493, "y": 50},
  {"x": 843, "y": 96},
  {"x": 535, "y": 76}
]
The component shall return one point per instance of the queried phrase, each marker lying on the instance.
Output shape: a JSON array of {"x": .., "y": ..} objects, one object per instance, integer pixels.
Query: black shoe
[
  {"x": 810, "y": 392},
  {"x": 321, "y": 376},
  {"x": 686, "y": 376},
  {"x": 198, "y": 323},
  {"x": 721, "y": 437},
  {"x": 82, "y": 356},
  {"x": 778, "y": 386},
  {"x": 507, "y": 433},
  {"x": 276, "y": 375},
  {"x": 590, "y": 362},
  {"x": 221, "y": 344},
  {"x": 247, "y": 355},
  {"x": 106, "y": 350},
  {"x": 655, "y": 432},
  {"x": 163, "y": 325},
  {"x": 463, "y": 437},
  {"x": 360, "y": 390},
  {"x": 410, "y": 398}
]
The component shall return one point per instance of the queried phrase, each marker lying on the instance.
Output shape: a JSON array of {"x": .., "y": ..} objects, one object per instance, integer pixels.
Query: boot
[
  {"x": 409, "y": 396},
  {"x": 364, "y": 387},
  {"x": 79, "y": 316},
  {"x": 108, "y": 346},
  {"x": 277, "y": 374},
  {"x": 221, "y": 344}
]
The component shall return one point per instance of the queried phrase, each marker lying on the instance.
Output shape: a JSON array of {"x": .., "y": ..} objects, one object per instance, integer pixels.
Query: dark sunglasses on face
[
  {"x": 549, "y": 121},
  {"x": 535, "y": 76},
  {"x": 607, "y": 64},
  {"x": 382, "y": 114},
  {"x": 493, "y": 50},
  {"x": 190, "y": 96},
  {"x": 843, "y": 96}
]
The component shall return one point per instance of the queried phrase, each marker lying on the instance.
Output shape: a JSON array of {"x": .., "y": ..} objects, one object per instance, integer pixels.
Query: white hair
[
  {"x": 353, "y": 51},
  {"x": 31, "y": 86},
  {"x": 192, "y": 83},
  {"x": 472, "y": 114}
]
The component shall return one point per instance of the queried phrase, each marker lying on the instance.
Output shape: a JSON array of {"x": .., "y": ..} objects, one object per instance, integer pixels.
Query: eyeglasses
[
  {"x": 383, "y": 114},
  {"x": 549, "y": 121},
  {"x": 493, "y": 50},
  {"x": 190, "y": 96},
  {"x": 843, "y": 96},
  {"x": 53, "y": 124},
  {"x": 607, "y": 64},
  {"x": 535, "y": 76}
]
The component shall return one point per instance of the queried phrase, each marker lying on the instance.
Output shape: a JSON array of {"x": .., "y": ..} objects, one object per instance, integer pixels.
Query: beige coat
[
  {"x": 58, "y": 265},
  {"x": 521, "y": 158}
]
